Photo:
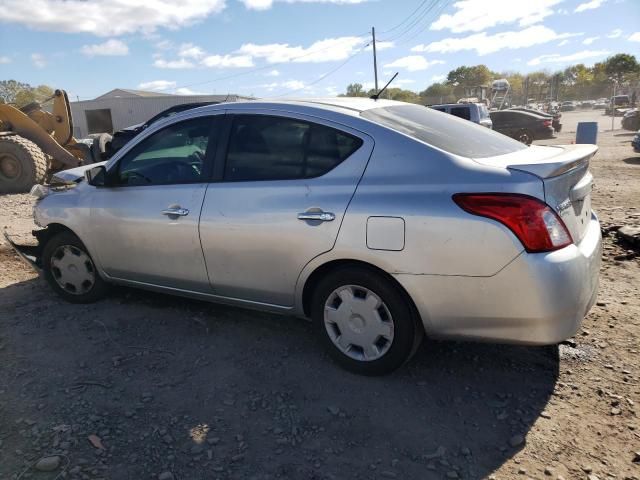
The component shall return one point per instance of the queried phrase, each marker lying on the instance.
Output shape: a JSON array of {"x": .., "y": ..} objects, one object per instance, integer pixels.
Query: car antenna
[{"x": 375, "y": 96}]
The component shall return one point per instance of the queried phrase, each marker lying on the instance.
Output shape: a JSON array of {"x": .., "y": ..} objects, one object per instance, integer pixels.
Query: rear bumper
[
  {"x": 538, "y": 299},
  {"x": 544, "y": 133}
]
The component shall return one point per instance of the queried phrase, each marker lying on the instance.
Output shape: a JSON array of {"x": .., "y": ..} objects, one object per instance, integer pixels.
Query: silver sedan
[{"x": 380, "y": 221}]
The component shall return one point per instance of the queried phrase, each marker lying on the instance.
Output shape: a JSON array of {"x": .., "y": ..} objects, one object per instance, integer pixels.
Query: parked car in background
[
  {"x": 567, "y": 106},
  {"x": 555, "y": 117},
  {"x": 631, "y": 120},
  {"x": 618, "y": 105},
  {"x": 522, "y": 126},
  {"x": 369, "y": 217},
  {"x": 601, "y": 104},
  {"x": 121, "y": 137},
  {"x": 474, "y": 112},
  {"x": 635, "y": 142}
]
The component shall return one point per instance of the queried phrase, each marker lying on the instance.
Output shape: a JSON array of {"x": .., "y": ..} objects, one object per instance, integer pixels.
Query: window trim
[
  {"x": 217, "y": 121},
  {"x": 231, "y": 117}
]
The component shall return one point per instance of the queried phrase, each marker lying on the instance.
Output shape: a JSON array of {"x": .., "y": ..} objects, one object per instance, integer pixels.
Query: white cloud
[
  {"x": 563, "y": 43},
  {"x": 107, "y": 17},
  {"x": 484, "y": 44},
  {"x": 157, "y": 85},
  {"x": 272, "y": 73},
  {"x": 189, "y": 50},
  {"x": 173, "y": 64},
  {"x": 438, "y": 78},
  {"x": 404, "y": 81},
  {"x": 593, "y": 4},
  {"x": 187, "y": 91},
  {"x": 327, "y": 50},
  {"x": 634, "y": 37},
  {"x": 413, "y": 63},
  {"x": 294, "y": 85},
  {"x": 381, "y": 46},
  {"x": 478, "y": 15},
  {"x": 227, "y": 61},
  {"x": 164, "y": 45},
  {"x": 111, "y": 47},
  {"x": 590, "y": 40},
  {"x": 615, "y": 33},
  {"x": 267, "y": 4},
  {"x": 4, "y": 59},
  {"x": 38, "y": 60},
  {"x": 332, "y": 91},
  {"x": 574, "y": 57},
  {"x": 285, "y": 85}
]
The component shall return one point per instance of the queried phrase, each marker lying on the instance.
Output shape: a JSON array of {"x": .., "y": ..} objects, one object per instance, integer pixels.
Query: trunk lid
[{"x": 564, "y": 171}]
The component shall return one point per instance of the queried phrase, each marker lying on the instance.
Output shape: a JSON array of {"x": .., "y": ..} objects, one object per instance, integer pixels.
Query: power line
[
  {"x": 437, "y": 12},
  {"x": 264, "y": 67},
  {"x": 318, "y": 80},
  {"x": 406, "y": 18},
  {"x": 416, "y": 21}
]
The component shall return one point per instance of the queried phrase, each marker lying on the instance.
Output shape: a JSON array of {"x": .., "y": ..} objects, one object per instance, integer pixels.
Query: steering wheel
[
  {"x": 134, "y": 174},
  {"x": 198, "y": 156},
  {"x": 184, "y": 170}
]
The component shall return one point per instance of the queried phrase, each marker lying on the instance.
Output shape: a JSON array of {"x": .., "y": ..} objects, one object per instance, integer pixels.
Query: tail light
[
  {"x": 547, "y": 123},
  {"x": 535, "y": 224}
]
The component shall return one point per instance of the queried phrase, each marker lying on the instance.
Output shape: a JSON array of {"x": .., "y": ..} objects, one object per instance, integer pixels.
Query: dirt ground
[{"x": 146, "y": 386}]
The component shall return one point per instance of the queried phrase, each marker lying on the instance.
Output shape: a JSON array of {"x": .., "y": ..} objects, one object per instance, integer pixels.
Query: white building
[{"x": 122, "y": 108}]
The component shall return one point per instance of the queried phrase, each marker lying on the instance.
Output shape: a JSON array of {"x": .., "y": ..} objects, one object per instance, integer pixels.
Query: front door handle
[
  {"x": 176, "y": 211},
  {"x": 318, "y": 216}
]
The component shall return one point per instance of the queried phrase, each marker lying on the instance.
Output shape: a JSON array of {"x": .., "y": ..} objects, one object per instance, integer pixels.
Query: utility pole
[
  {"x": 375, "y": 60},
  {"x": 613, "y": 106}
]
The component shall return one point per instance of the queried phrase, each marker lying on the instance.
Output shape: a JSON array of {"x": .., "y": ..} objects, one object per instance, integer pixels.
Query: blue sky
[{"x": 271, "y": 48}]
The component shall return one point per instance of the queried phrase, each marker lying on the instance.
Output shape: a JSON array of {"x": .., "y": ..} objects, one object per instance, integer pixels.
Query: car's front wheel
[
  {"x": 367, "y": 323},
  {"x": 70, "y": 270}
]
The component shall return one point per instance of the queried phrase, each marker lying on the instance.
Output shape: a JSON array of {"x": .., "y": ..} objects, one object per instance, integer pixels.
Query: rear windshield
[{"x": 446, "y": 132}]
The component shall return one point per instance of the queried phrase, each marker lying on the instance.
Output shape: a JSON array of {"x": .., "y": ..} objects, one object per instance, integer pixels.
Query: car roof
[{"x": 346, "y": 105}]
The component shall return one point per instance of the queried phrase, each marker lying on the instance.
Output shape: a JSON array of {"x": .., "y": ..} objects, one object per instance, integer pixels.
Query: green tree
[
  {"x": 355, "y": 90},
  {"x": 622, "y": 67},
  {"x": 470, "y": 76},
  {"x": 10, "y": 89},
  {"x": 38, "y": 94}
]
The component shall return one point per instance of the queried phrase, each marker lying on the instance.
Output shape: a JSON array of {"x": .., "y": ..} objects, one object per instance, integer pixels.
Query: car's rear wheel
[
  {"x": 525, "y": 136},
  {"x": 70, "y": 270},
  {"x": 367, "y": 323}
]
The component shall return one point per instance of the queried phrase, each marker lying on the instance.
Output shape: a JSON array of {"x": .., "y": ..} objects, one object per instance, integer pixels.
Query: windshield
[{"x": 443, "y": 131}]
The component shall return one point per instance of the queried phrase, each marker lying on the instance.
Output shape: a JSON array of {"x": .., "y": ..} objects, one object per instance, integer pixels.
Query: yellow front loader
[{"x": 35, "y": 143}]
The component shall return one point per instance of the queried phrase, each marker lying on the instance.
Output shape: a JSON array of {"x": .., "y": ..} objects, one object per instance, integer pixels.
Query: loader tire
[
  {"x": 22, "y": 164},
  {"x": 99, "y": 147}
]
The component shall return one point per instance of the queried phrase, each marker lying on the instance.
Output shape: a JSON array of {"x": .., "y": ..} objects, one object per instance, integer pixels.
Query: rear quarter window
[{"x": 445, "y": 132}]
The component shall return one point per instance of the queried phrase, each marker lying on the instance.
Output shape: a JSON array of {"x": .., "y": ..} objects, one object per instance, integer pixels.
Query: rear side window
[
  {"x": 462, "y": 112},
  {"x": 446, "y": 132},
  {"x": 277, "y": 148}
]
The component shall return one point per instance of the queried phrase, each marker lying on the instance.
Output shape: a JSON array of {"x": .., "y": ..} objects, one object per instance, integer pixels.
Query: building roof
[{"x": 127, "y": 93}]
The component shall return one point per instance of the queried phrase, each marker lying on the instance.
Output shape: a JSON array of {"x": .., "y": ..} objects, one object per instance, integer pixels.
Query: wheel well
[
  {"x": 324, "y": 269},
  {"x": 52, "y": 229}
]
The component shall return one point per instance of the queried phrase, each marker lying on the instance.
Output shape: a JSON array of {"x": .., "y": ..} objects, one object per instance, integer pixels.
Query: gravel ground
[{"x": 146, "y": 386}]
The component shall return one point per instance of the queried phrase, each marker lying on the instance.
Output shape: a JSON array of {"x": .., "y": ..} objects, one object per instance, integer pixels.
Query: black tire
[
  {"x": 22, "y": 164},
  {"x": 99, "y": 147},
  {"x": 408, "y": 329},
  {"x": 525, "y": 136},
  {"x": 68, "y": 240}
]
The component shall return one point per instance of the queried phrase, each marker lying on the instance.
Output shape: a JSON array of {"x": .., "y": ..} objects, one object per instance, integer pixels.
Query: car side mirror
[{"x": 96, "y": 176}]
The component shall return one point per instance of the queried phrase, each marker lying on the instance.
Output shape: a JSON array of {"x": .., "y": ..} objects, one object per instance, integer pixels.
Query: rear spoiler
[{"x": 571, "y": 157}]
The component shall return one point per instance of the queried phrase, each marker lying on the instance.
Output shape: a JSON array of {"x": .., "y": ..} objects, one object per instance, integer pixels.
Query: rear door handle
[
  {"x": 176, "y": 211},
  {"x": 318, "y": 216}
]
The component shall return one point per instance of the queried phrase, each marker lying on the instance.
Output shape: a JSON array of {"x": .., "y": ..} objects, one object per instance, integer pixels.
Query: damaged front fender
[{"x": 31, "y": 254}]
